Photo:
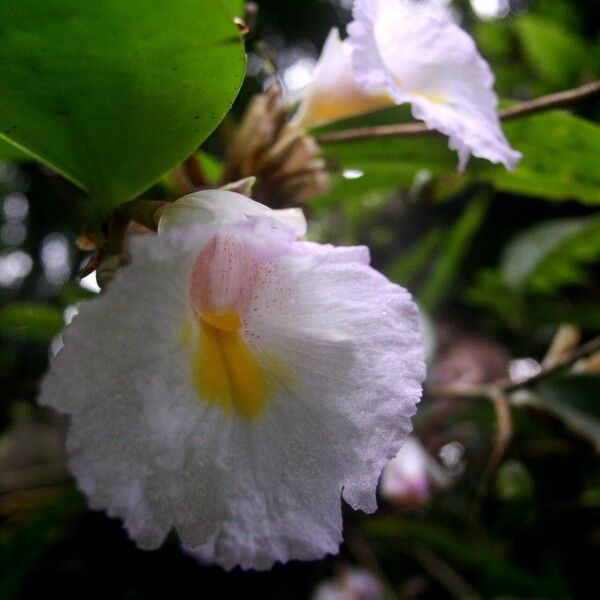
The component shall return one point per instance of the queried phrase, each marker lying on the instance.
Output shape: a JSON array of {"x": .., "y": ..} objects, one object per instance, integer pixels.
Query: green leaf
[
  {"x": 384, "y": 165},
  {"x": 404, "y": 267},
  {"x": 557, "y": 54},
  {"x": 211, "y": 167},
  {"x": 235, "y": 7},
  {"x": 551, "y": 254},
  {"x": 113, "y": 94},
  {"x": 488, "y": 563},
  {"x": 34, "y": 322},
  {"x": 21, "y": 551},
  {"x": 560, "y": 158},
  {"x": 453, "y": 251},
  {"x": 575, "y": 399},
  {"x": 10, "y": 152}
]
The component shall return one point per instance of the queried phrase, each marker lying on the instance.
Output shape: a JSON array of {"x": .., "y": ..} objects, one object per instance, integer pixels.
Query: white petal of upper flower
[
  {"x": 232, "y": 383},
  {"x": 224, "y": 206},
  {"x": 433, "y": 64},
  {"x": 334, "y": 92}
]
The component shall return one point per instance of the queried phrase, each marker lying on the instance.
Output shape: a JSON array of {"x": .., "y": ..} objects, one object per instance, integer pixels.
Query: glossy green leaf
[
  {"x": 10, "y": 152},
  {"x": 33, "y": 322},
  {"x": 552, "y": 254},
  {"x": 113, "y": 94},
  {"x": 235, "y": 7},
  {"x": 560, "y": 158},
  {"x": 558, "y": 55}
]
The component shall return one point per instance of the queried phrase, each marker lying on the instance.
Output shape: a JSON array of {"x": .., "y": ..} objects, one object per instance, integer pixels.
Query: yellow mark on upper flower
[{"x": 333, "y": 107}]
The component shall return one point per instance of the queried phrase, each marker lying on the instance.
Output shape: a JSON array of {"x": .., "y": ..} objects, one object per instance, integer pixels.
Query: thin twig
[
  {"x": 567, "y": 359},
  {"x": 440, "y": 570},
  {"x": 503, "y": 435},
  {"x": 528, "y": 107},
  {"x": 507, "y": 385}
]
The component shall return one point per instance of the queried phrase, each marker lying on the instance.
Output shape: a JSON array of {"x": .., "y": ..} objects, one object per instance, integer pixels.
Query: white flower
[
  {"x": 433, "y": 64},
  {"x": 333, "y": 92},
  {"x": 225, "y": 207},
  {"x": 408, "y": 478},
  {"x": 234, "y": 383},
  {"x": 354, "y": 584}
]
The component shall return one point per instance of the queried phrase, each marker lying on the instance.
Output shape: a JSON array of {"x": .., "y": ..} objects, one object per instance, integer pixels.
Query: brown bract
[{"x": 284, "y": 160}]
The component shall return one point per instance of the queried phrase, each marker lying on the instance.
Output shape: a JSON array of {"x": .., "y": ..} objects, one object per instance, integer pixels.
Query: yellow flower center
[{"x": 224, "y": 369}]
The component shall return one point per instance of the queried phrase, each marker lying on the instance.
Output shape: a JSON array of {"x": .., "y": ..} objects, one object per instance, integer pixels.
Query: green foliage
[
  {"x": 551, "y": 254},
  {"x": 114, "y": 102},
  {"x": 575, "y": 400},
  {"x": 560, "y": 158},
  {"x": 235, "y": 7},
  {"x": 534, "y": 266},
  {"x": 557, "y": 55},
  {"x": 407, "y": 265},
  {"x": 10, "y": 152},
  {"x": 33, "y": 322},
  {"x": 488, "y": 564},
  {"x": 23, "y": 549},
  {"x": 112, "y": 94},
  {"x": 455, "y": 246},
  {"x": 514, "y": 482}
]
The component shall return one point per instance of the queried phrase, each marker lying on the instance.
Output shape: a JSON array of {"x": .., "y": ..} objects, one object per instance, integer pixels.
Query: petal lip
[
  {"x": 435, "y": 66},
  {"x": 248, "y": 493}
]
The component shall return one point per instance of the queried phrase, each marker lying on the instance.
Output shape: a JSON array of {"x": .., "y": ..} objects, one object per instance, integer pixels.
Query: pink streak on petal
[{"x": 223, "y": 277}]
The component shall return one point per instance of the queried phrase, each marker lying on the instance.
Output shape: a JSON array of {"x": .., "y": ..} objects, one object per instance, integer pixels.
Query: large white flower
[
  {"x": 433, "y": 64},
  {"x": 234, "y": 383},
  {"x": 334, "y": 92}
]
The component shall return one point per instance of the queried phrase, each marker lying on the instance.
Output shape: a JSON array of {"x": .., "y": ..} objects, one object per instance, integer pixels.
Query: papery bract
[
  {"x": 233, "y": 383},
  {"x": 435, "y": 66}
]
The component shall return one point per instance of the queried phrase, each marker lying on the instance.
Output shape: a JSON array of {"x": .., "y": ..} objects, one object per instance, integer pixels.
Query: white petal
[
  {"x": 341, "y": 347},
  {"x": 224, "y": 206},
  {"x": 334, "y": 92},
  {"x": 434, "y": 65}
]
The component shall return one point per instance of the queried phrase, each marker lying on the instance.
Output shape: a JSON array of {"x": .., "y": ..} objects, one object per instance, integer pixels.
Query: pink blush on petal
[{"x": 223, "y": 277}]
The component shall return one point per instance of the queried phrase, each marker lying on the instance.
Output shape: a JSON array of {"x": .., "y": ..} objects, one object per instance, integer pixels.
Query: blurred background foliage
[{"x": 499, "y": 262}]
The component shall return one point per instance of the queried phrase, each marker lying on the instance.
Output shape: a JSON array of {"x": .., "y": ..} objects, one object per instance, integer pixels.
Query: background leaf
[
  {"x": 560, "y": 158},
  {"x": 575, "y": 399},
  {"x": 112, "y": 94},
  {"x": 10, "y": 152},
  {"x": 558, "y": 55},
  {"x": 235, "y": 7},
  {"x": 551, "y": 254},
  {"x": 35, "y": 322}
]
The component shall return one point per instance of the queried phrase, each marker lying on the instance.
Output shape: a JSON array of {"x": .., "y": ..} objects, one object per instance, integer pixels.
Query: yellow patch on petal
[
  {"x": 433, "y": 98},
  {"x": 224, "y": 369},
  {"x": 325, "y": 107}
]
